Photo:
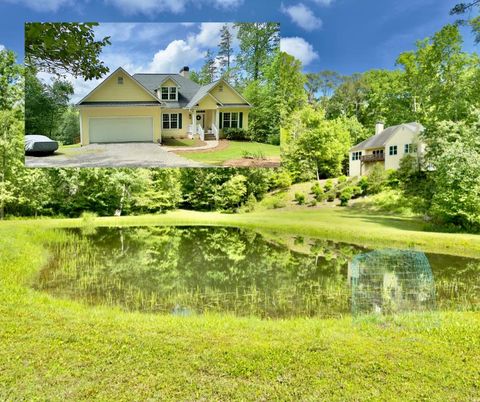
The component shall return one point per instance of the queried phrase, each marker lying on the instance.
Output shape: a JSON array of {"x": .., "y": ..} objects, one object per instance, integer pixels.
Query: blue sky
[{"x": 342, "y": 35}]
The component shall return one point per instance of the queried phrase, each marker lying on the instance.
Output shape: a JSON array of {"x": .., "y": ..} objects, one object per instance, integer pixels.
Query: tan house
[
  {"x": 387, "y": 147},
  {"x": 149, "y": 107}
]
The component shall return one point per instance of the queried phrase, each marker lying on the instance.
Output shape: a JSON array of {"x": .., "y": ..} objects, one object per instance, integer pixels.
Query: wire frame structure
[{"x": 390, "y": 281}]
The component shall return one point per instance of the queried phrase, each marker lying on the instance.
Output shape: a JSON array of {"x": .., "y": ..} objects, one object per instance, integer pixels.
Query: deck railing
[
  {"x": 215, "y": 131},
  {"x": 201, "y": 132},
  {"x": 373, "y": 158}
]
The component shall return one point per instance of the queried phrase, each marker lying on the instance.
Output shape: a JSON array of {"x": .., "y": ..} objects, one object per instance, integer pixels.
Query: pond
[{"x": 193, "y": 270}]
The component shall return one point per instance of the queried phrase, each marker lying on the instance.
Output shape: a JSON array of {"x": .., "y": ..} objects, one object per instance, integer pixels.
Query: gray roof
[
  {"x": 186, "y": 90},
  {"x": 202, "y": 91},
  {"x": 381, "y": 139}
]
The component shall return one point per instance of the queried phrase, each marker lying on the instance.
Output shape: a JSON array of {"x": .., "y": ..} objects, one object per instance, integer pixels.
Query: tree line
[{"x": 319, "y": 117}]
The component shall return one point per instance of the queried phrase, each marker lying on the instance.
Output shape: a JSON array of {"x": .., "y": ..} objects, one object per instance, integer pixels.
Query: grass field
[
  {"x": 235, "y": 150},
  {"x": 334, "y": 223},
  {"x": 56, "y": 349}
]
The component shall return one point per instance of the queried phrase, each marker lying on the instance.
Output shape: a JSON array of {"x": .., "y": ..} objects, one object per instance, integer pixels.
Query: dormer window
[
  {"x": 120, "y": 80},
  {"x": 169, "y": 93}
]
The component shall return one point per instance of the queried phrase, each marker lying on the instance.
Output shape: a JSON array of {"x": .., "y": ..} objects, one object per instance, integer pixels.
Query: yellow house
[
  {"x": 386, "y": 148},
  {"x": 149, "y": 107}
]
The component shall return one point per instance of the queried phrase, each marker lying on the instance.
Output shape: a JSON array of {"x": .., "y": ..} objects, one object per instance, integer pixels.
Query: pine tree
[
  {"x": 225, "y": 49},
  {"x": 208, "y": 72}
]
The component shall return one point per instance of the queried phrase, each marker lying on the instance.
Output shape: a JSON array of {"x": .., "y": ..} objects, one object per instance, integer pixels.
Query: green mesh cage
[{"x": 391, "y": 281}]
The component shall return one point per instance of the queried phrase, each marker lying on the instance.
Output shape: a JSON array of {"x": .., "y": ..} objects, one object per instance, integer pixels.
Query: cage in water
[{"x": 391, "y": 281}]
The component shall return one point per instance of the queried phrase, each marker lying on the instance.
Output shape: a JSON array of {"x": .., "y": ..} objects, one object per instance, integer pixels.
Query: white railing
[
  {"x": 215, "y": 131},
  {"x": 190, "y": 131},
  {"x": 200, "y": 132}
]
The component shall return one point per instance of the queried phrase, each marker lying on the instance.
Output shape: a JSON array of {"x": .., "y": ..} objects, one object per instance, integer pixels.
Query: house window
[
  {"x": 356, "y": 156},
  {"x": 393, "y": 150},
  {"x": 409, "y": 148},
  {"x": 171, "y": 121},
  {"x": 120, "y": 80},
  {"x": 169, "y": 93},
  {"x": 230, "y": 120},
  {"x": 378, "y": 152}
]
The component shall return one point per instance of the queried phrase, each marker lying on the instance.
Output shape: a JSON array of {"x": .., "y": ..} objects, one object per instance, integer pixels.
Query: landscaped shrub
[
  {"x": 253, "y": 155},
  {"x": 318, "y": 193},
  {"x": 342, "y": 179},
  {"x": 313, "y": 203},
  {"x": 328, "y": 185},
  {"x": 357, "y": 191},
  {"x": 377, "y": 179},
  {"x": 236, "y": 134},
  {"x": 346, "y": 195},
  {"x": 300, "y": 198},
  {"x": 331, "y": 196},
  {"x": 363, "y": 184},
  {"x": 282, "y": 180},
  {"x": 275, "y": 202}
]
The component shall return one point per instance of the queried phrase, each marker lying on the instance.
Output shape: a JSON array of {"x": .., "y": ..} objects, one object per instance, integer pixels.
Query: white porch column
[
  {"x": 194, "y": 122},
  {"x": 217, "y": 119}
]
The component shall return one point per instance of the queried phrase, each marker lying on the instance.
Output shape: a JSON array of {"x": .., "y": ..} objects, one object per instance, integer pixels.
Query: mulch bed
[{"x": 248, "y": 162}]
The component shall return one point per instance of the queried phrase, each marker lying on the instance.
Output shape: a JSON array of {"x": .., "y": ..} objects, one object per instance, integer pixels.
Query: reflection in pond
[
  {"x": 391, "y": 281},
  {"x": 192, "y": 270}
]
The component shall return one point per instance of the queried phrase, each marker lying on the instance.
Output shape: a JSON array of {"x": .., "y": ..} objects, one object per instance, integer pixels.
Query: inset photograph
[{"x": 153, "y": 95}]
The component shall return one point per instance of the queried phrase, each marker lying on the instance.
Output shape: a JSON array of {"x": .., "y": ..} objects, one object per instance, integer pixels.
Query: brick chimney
[
  {"x": 379, "y": 127},
  {"x": 185, "y": 72}
]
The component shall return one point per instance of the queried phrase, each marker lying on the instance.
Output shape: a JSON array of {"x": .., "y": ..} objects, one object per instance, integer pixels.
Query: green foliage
[
  {"x": 318, "y": 192},
  {"x": 331, "y": 195},
  {"x": 60, "y": 48},
  {"x": 225, "y": 50},
  {"x": 10, "y": 80},
  {"x": 342, "y": 179},
  {"x": 319, "y": 147},
  {"x": 68, "y": 131},
  {"x": 346, "y": 195},
  {"x": 328, "y": 185},
  {"x": 257, "y": 42},
  {"x": 231, "y": 193},
  {"x": 208, "y": 72},
  {"x": 45, "y": 106},
  {"x": 236, "y": 134},
  {"x": 282, "y": 180},
  {"x": 376, "y": 179},
  {"x": 300, "y": 198},
  {"x": 455, "y": 155},
  {"x": 258, "y": 155}
]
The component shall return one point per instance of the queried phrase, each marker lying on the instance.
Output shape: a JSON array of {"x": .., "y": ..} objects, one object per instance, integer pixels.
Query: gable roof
[
  {"x": 205, "y": 90},
  {"x": 381, "y": 139},
  {"x": 82, "y": 101},
  {"x": 186, "y": 87}
]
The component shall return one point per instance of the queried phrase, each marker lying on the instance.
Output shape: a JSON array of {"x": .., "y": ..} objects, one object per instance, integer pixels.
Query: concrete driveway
[{"x": 137, "y": 154}]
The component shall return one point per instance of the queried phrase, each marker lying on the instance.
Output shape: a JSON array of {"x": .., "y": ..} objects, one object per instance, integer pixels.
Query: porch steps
[{"x": 209, "y": 137}]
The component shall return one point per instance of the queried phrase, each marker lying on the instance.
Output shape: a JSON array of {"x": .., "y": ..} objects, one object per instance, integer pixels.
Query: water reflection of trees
[{"x": 197, "y": 269}]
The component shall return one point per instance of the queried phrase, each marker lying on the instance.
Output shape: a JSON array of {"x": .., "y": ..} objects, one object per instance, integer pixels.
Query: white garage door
[{"x": 121, "y": 129}]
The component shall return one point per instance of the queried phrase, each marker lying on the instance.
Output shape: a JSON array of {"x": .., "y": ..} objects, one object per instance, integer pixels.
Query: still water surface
[{"x": 192, "y": 270}]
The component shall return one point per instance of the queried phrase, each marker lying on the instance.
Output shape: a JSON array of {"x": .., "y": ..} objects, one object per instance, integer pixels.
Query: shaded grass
[
  {"x": 56, "y": 349},
  {"x": 337, "y": 224},
  {"x": 235, "y": 150},
  {"x": 182, "y": 142}
]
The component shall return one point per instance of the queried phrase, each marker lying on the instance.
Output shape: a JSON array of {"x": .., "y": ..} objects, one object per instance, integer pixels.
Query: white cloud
[
  {"x": 226, "y": 4},
  {"x": 324, "y": 3},
  {"x": 301, "y": 15},
  {"x": 44, "y": 5},
  {"x": 154, "y": 7},
  {"x": 299, "y": 48},
  {"x": 2, "y": 47},
  {"x": 177, "y": 54},
  {"x": 148, "y": 7},
  {"x": 208, "y": 36}
]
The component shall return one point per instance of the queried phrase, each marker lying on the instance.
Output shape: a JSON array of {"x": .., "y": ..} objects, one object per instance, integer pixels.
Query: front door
[{"x": 201, "y": 119}]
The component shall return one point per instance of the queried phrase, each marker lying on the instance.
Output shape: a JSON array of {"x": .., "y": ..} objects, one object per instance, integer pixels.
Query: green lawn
[
  {"x": 235, "y": 150},
  {"x": 55, "y": 349}
]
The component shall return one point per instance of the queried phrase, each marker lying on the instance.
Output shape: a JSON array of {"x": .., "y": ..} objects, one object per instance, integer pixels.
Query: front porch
[{"x": 204, "y": 124}]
